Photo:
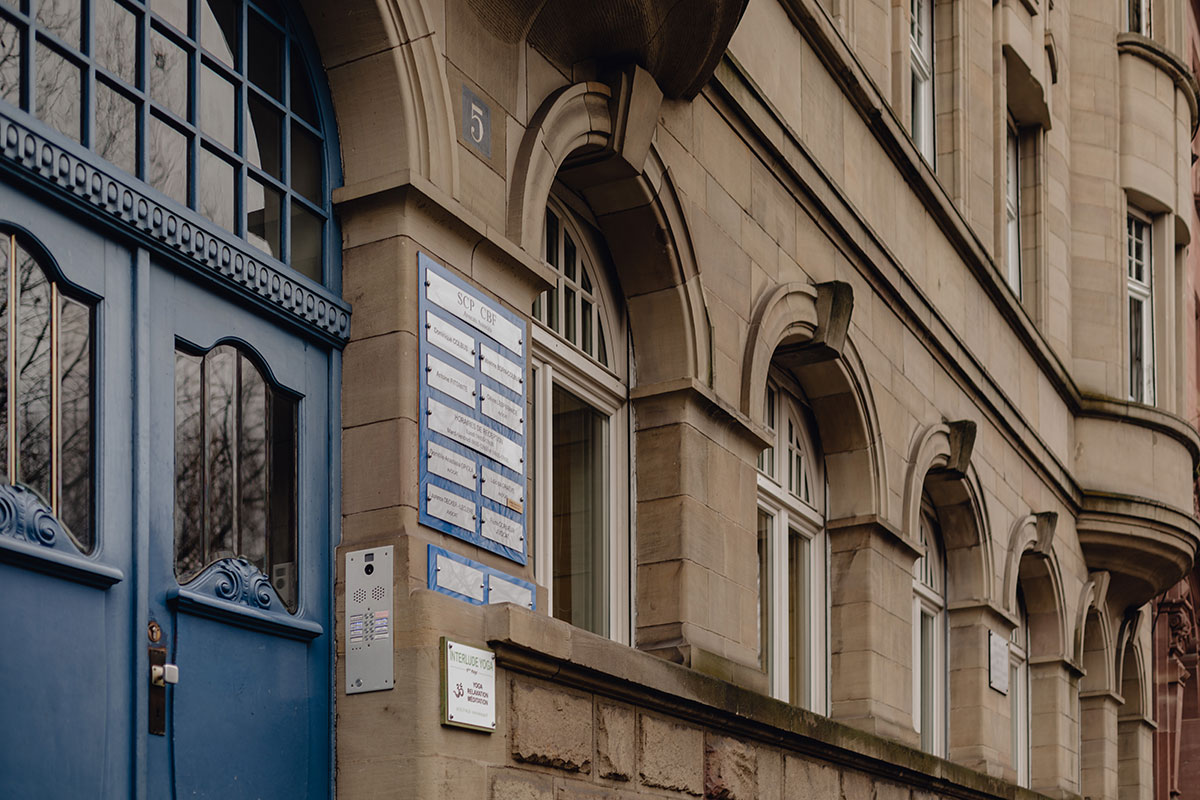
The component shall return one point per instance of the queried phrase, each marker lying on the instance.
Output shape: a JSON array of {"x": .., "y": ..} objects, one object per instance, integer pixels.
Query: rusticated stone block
[
  {"x": 730, "y": 769},
  {"x": 672, "y": 756},
  {"x": 892, "y": 791},
  {"x": 614, "y": 741},
  {"x": 856, "y": 786},
  {"x": 819, "y": 780},
  {"x": 551, "y": 727},
  {"x": 514, "y": 785}
]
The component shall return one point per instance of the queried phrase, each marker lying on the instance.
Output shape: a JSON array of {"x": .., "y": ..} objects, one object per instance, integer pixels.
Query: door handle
[{"x": 162, "y": 674}]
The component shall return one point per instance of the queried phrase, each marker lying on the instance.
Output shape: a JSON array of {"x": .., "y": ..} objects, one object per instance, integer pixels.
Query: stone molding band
[{"x": 198, "y": 244}]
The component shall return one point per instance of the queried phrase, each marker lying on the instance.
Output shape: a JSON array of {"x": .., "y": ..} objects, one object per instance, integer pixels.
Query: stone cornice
[{"x": 70, "y": 175}]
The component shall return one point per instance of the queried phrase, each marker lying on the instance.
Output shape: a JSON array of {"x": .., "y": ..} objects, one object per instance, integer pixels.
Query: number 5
[{"x": 476, "y": 124}]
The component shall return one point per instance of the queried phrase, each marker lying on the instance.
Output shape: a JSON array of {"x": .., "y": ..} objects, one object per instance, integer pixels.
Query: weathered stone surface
[
  {"x": 818, "y": 780},
  {"x": 730, "y": 769},
  {"x": 856, "y": 786},
  {"x": 511, "y": 784},
  {"x": 672, "y": 756},
  {"x": 552, "y": 727},
  {"x": 614, "y": 741}
]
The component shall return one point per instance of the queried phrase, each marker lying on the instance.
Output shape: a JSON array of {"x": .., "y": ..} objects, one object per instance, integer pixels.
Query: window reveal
[
  {"x": 235, "y": 468},
  {"x": 1138, "y": 280}
]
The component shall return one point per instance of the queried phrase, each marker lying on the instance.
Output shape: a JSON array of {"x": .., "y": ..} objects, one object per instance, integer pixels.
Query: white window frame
[
  {"x": 557, "y": 362},
  {"x": 920, "y": 45},
  {"x": 1012, "y": 208},
  {"x": 930, "y": 602},
  {"x": 1019, "y": 701},
  {"x": 1139, "y": 285},
  {"x": 790, "y": 513}
]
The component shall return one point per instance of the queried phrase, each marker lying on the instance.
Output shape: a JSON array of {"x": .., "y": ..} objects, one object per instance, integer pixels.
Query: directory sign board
[
  {"x": 468, "y": 686},
  {"x": 472, "y": 380}
]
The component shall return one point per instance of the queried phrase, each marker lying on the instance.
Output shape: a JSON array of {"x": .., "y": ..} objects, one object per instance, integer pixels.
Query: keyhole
[{"x": 153, "y": 631}]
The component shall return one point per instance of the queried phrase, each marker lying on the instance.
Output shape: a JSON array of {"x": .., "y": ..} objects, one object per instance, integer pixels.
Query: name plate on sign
[
  {"x": 468, "y": 686},
  {"x": 472, "y": 416}
]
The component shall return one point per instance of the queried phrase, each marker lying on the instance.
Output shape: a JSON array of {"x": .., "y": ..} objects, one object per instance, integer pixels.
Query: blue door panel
[
  {"x": 59, "y": 716},
  {"x": 240, "y": 713}
]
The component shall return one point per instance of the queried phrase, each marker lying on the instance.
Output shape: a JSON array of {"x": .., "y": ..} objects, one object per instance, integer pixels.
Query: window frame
[
  {"x": 556, "y": 362},
  {"x": 1020, "y": 709},
  {"x": 1141, "y": 387},
  {"x": 921, "y": 71},
  {"x": 1012, "y": 208},
  {"x": 930, "y": 602},
  {"x": 790, "y": 514}
]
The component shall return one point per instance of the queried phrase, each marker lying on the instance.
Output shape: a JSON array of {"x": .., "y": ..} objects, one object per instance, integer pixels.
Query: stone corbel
[
  {"x": 1032, "y": 533},
  {"x": 835, "y": 303},
  {"x": 962, "y": 443}
]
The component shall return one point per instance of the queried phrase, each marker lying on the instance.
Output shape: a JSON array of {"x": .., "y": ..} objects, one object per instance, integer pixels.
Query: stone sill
[{"x": 536, "y": 645}]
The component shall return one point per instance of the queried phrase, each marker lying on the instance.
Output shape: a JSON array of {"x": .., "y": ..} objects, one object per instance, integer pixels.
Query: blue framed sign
[
  {"x": 472, "y": 386},
  {"x": 476, "y": 583}
]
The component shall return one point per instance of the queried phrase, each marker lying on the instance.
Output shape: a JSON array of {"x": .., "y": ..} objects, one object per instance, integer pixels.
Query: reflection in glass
[
  {"x": 798, "y": 636},
  {"x": 58, "y": 92},
  {"x": 306, "y": 164},
  {"x": 765, "y": 522},
  {"x": 214, "y": 195},
  {"x": 580, "y": 515},
  {"x": 167, "y": 170},
  {"x": 306, "y": 242},
  {"x": 264, "y": 136},
  {"x": 116, "y": 126},
  {"x": 168, "y": 70},
  {"x": 217, "y": 107},
  {"x": 927, "y": 682},
  {"x": 61, "y": 18},
  {"x": 218, "y": 29},
  {"x": 235, "y": 468},
  {"x": 265, "y": 57},
  {"x": 303, "y": 102},
  {"x": 10, "y": 62},
  {"x": 263, "y": 217},
  {"x": 75, "y": 417},
  {"x": 7, "y": 256},
  {"x": 33, "y": 375},
  {"x": 173, "y": 11},
  {"x": 116, "y": 28}
]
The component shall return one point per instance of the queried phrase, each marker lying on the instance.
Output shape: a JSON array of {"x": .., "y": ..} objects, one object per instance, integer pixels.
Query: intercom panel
[{"x": 369, "y": 634}]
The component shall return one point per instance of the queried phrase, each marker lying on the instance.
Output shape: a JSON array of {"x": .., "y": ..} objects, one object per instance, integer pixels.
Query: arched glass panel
[
  {"x": 46, "y": 435},
  {"x": 235, "y": 468},
  {"x": 572, "y": 309},
  {"x": 208, "y": 101}
]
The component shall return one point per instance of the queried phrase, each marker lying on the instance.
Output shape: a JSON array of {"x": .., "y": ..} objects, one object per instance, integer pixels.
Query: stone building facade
[{"x": 841, "y": 359}]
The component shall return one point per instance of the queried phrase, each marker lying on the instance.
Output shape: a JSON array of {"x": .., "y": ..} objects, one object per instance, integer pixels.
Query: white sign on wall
[
  {"x": 998, "y": 662},
  {"x": 468, "y": 686}
]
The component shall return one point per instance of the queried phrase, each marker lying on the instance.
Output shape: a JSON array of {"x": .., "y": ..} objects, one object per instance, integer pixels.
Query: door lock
[{"x": 161, "y": 675}]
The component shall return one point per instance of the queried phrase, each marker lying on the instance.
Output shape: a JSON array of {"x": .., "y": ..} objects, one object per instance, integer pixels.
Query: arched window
[
  {"x": 207, "y": 101},
  {"x": 1018, "y": 693},
  {"x": 46, "y": 395},
  {"x": 929, "y": 635},
  {"x": 235, "y": 468},
  {"x": 580, "y": 434},
  {"x": 791, "y": 552}
]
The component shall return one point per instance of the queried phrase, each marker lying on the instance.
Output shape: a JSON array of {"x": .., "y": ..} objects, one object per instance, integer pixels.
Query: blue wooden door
[{"x": 238, "y": 540}]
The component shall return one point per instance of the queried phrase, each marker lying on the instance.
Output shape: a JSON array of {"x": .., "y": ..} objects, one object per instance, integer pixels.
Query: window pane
[
  {"x": 214, "y": 195},
  {"x": 263, "y": 217},
  {"x": 220, "y": 380},
  {"x": 115, "y": 37},
  {"x": 116, "y": 128},
  {"x": 569, "y": 258},
  {"x": 585, "y": 321},
  {"x": 252, "y": 481},
  {"x": 58, "y": 93},
  {"x": 765, "y": 523},
  {"x": 551, "y": 239},
  {"x": 168, "y": 167},
  {"x": 569, "y": 304},
  {"x": 190, "y": 554},
  {"x": 1137, "y": 357},
  {"x": 306, "y": 242},
  {"x": 6, "y": 255},
  {"x": 927, "y": 682},
  {"x": 264, "y": 136},
  {"x": 798, "y": 624},
  {"x": 10, "y": 62},
  {"x": 173, "y": 11},
  {"x": 168, "y": 70},
  {"x": 580, "y": 511},
  {"x": 217, "y": 107},
  {"x": 282, "y": 477},
  {"x": 33, "y": 376},
  {"x": 218, "y": 29},
  {"x": 62, "y": 18},
  {"x": 75, "y": 419},
  {"x": 306, "y": 164},
  {"x": 265, "y": 57},
  {"x": 304, "y": 103}
]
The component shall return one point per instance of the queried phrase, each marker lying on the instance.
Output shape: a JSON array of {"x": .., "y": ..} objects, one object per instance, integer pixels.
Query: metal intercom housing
[{"x": 369, "y": 633}]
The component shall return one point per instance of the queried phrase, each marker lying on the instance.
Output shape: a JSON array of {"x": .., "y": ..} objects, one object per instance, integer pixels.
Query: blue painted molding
[
  {"x": 67, "y": 172},
  {"x": 233, "y": 590},
  {"x": 488, "y": 574},
  {"x": 32, "y": 537}
]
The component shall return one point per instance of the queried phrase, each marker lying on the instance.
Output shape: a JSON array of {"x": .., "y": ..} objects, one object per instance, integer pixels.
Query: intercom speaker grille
[
  {"x": 360, "y": 595},
  {"x": 377, "y": 593}
]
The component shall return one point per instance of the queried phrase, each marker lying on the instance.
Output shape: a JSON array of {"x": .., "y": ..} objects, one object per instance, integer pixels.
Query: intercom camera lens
[{"x": 369, "y": 568}]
